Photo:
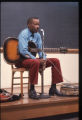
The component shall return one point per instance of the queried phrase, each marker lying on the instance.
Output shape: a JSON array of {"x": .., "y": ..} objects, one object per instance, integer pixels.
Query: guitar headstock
[{"x": 63, "y": 49}]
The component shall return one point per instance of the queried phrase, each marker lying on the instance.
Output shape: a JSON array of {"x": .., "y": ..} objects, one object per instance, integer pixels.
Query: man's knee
[
  {"x": 57, "y": 60},
  {"x": 54, "y": 60},
  {"x": 36, "y": 62}
]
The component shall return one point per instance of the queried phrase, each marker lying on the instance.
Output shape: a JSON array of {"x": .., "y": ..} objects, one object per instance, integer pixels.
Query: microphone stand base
[{"x": 44, "y": 96}]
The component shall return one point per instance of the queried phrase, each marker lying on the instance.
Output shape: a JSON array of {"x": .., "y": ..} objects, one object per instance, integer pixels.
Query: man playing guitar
[{"x": 30, "y": 61}]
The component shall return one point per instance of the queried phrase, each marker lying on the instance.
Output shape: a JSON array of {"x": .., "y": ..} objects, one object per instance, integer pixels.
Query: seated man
[{"x": 30, "y": 61}]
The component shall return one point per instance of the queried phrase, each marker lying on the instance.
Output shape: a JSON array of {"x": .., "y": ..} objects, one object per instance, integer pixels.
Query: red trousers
[{"x": 34, "y": 65}]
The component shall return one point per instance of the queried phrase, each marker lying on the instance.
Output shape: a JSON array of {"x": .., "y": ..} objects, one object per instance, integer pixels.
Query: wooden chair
[
  {"x": 21, "y": 70},
  {"x": 11, "y": 56}
]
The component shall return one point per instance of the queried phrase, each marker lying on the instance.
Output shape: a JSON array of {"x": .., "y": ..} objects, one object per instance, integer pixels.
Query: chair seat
[{"x": 19, "y": 69}]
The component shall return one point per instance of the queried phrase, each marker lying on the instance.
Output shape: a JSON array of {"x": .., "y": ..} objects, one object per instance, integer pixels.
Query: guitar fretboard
[{"x": 61, "y": 49}]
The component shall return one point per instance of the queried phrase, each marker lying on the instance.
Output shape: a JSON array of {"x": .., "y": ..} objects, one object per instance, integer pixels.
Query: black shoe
[
  {"x": 51, "y": 91},
  {"x": 54, "y": 91},
  {"x": 33, "y": 95}
]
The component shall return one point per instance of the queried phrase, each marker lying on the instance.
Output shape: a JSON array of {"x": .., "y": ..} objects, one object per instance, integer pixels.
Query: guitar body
[
  {"x": 32, "y": 45},
  {"x": 10, "y": 49}
]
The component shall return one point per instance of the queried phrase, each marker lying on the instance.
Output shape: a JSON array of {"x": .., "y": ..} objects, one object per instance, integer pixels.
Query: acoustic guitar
[
  {"x": 11, "y": 54},
  {"x": 10, "y": 50}
]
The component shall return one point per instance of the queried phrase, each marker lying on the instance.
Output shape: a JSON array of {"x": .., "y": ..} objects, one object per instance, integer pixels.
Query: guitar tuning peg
[{"x": 63, "y": 49}]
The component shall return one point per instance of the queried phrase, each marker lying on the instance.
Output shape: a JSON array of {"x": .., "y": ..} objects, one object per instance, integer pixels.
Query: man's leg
[
  {"x": 56, "y": 75},
  {"x": 33, "y": 66},
  {"x": 56, "y": 70}
]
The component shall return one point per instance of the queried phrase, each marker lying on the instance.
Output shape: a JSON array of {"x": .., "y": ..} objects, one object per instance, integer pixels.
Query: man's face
[{"x": 34, "y": 26}]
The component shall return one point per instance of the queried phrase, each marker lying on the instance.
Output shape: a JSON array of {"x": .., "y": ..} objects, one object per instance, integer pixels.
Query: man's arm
[{"x": 23, "y": 47}]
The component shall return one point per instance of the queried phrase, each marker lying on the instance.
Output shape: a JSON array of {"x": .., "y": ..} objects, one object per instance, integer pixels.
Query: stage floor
[{"x": 27, "y": 108}]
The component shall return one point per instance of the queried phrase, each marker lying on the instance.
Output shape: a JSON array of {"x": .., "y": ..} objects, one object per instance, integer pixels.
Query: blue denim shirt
[{"x": 24, "y": 36}]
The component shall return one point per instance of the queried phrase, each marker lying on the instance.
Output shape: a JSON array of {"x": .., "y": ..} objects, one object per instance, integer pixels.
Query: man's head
[{"x": 33, "y": 24}]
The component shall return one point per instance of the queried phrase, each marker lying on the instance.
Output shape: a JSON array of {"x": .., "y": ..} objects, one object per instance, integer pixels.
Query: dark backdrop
[{"x": 58, "y": 19}]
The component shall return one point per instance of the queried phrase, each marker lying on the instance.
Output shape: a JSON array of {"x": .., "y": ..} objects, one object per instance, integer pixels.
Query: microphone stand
[{"x": 42, "y": 95}]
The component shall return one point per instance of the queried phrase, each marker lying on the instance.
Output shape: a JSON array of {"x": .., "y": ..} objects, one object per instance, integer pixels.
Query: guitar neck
[
  {"x": 61, "y": 50},
  {"x": 51, "y": 49}
]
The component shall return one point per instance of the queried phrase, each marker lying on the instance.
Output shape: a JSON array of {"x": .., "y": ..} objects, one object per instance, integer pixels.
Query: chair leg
[
  {"x": 12, "y": 83},
  {"x": 28, "y": 82},
  {"x": 21, "y": 75}
]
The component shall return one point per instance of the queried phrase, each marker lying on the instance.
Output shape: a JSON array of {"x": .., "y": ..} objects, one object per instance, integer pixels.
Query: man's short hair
[{"x": 29, "y": 21}]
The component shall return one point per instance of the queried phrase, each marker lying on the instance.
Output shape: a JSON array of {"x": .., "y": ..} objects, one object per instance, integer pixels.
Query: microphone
[{"x": 42, "y": 31}]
